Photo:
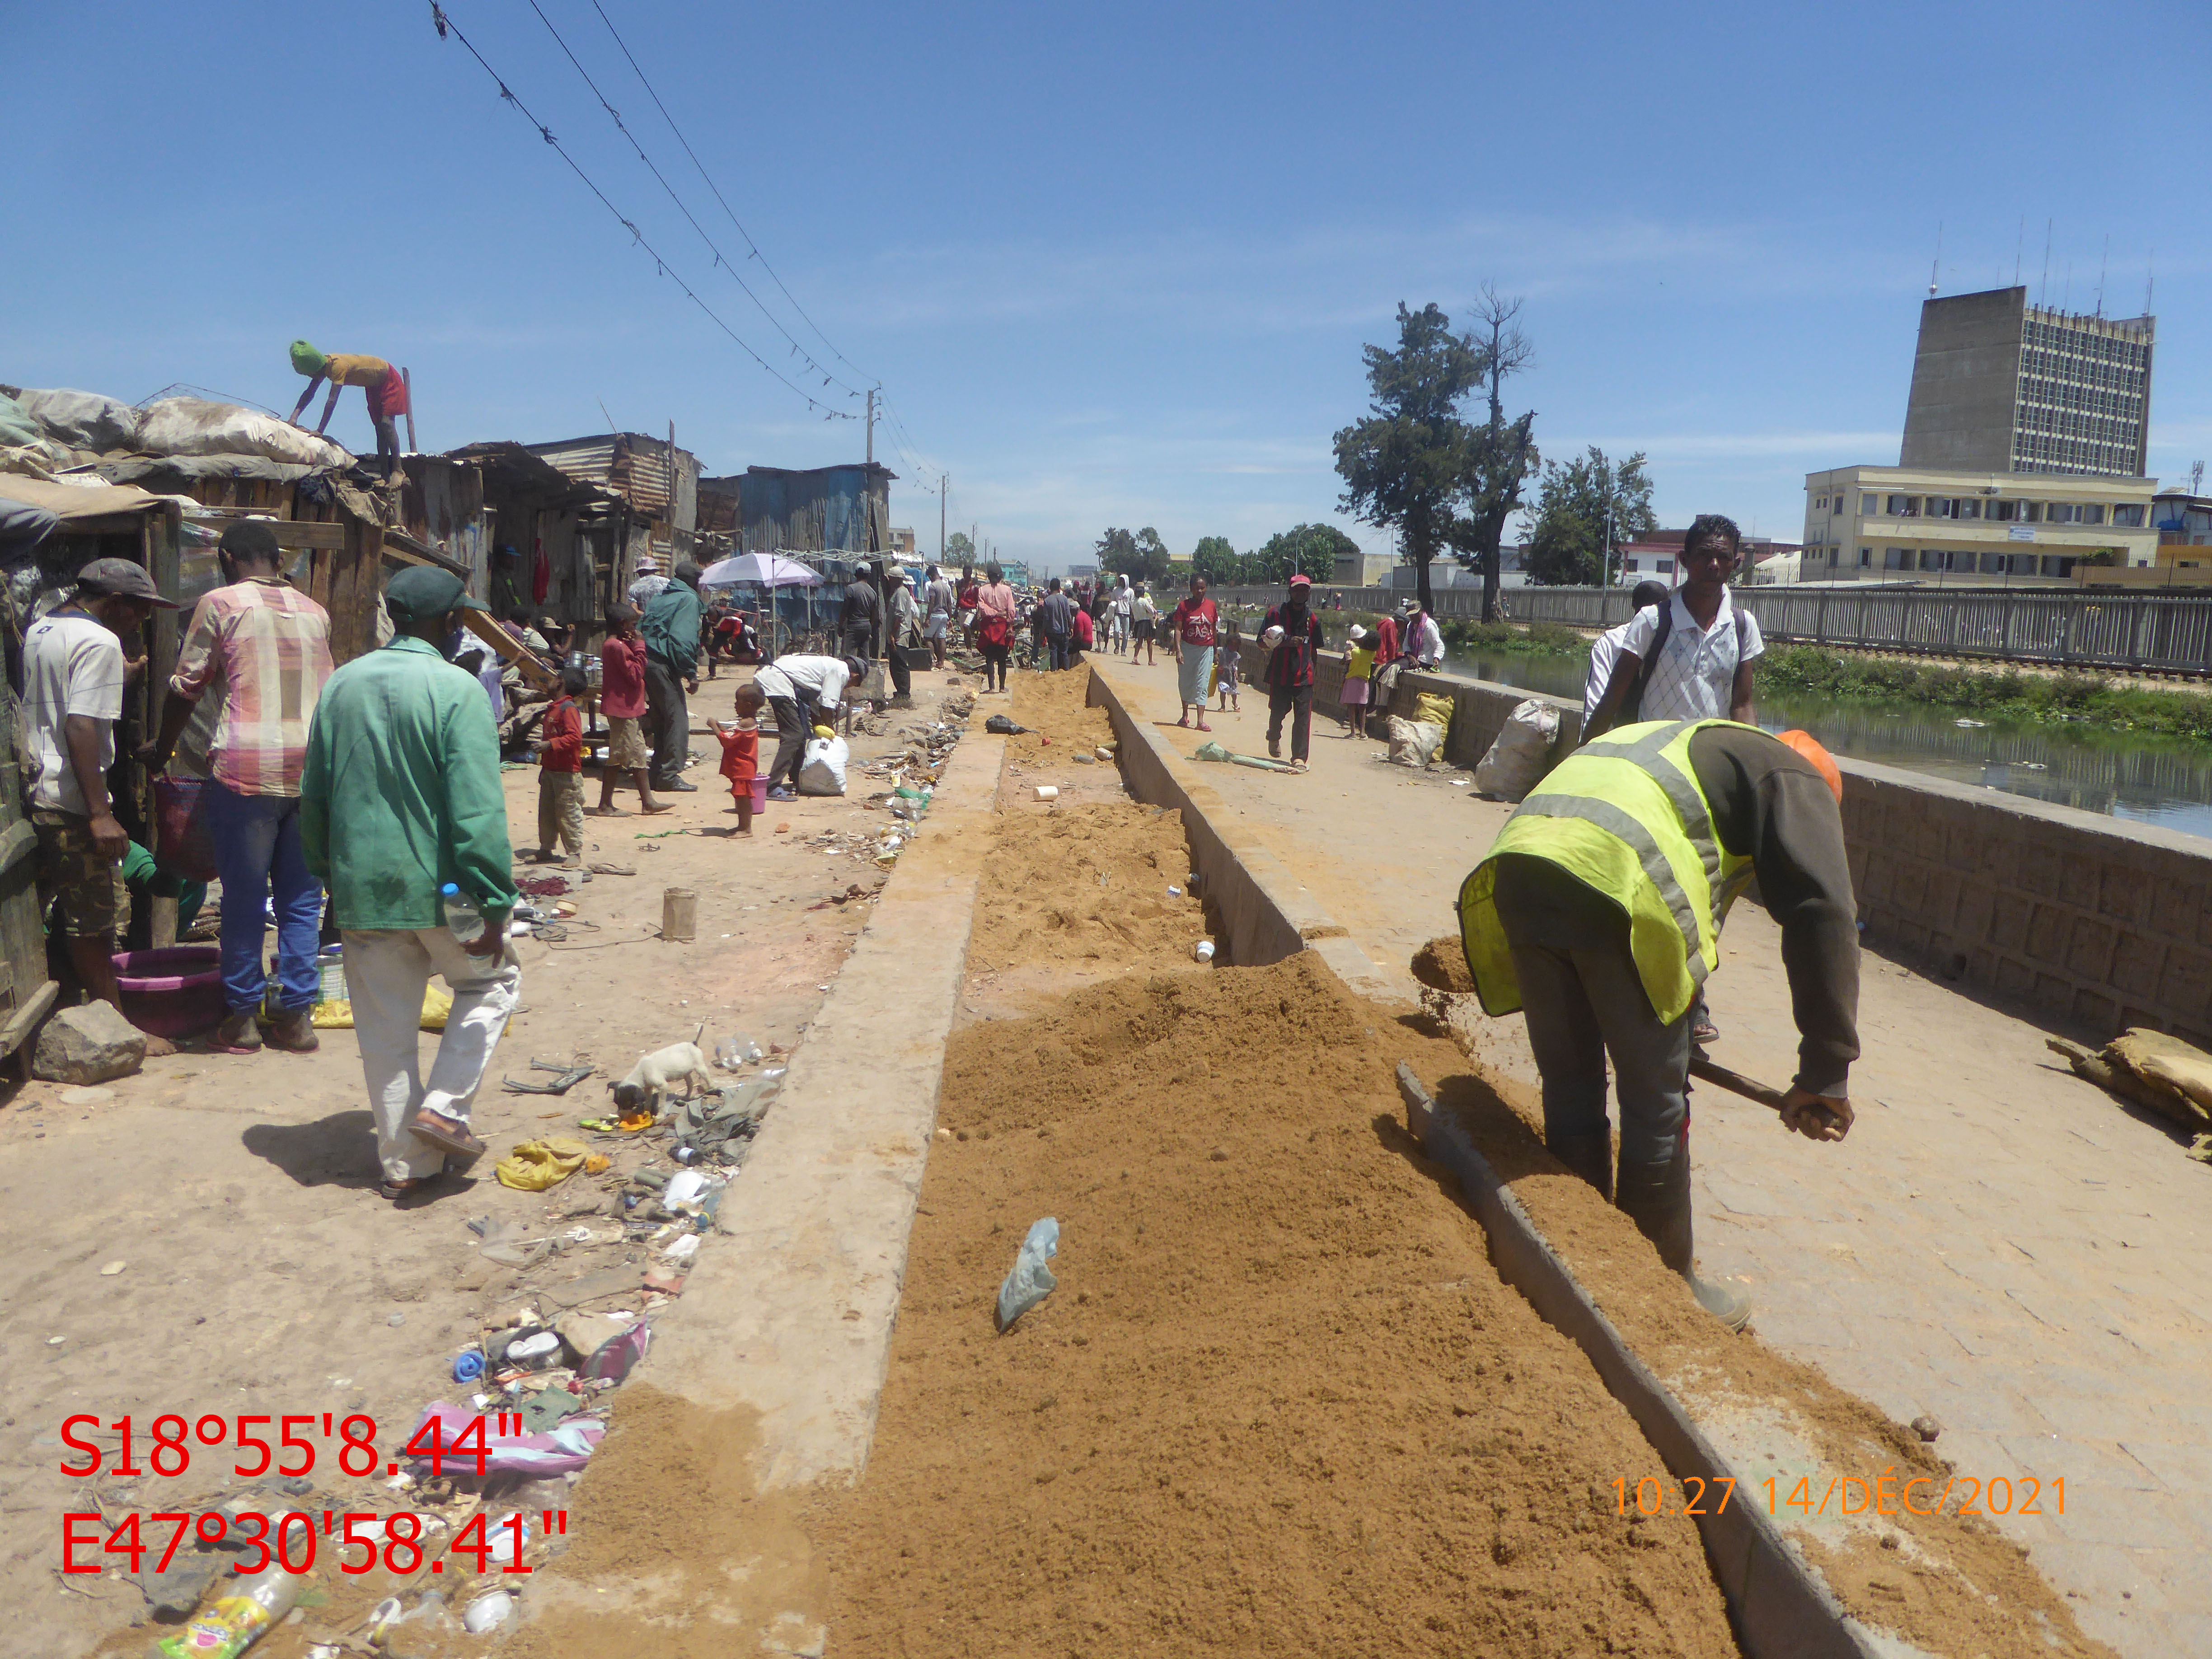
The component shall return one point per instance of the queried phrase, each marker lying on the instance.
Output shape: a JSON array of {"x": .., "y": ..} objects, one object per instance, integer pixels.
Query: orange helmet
[{"x": 1806, "y": 744}]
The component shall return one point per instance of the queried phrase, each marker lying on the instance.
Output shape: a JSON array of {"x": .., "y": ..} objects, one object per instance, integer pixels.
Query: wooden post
[{"x": 407, "y": 380}]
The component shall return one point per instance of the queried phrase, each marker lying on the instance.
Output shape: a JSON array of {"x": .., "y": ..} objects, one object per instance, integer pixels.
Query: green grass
[
  {"x": 1999, "y": 694},
  {"x": 1536, "y": 640}
]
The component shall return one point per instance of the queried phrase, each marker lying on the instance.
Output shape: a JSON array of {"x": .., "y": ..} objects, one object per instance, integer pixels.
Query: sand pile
[
  {"x": 1054, "y": 705},
  {"x": 1279, "y": 1403},
  {"x": 1441, "y": 964},
  {"x": 1087, "y": 883}
]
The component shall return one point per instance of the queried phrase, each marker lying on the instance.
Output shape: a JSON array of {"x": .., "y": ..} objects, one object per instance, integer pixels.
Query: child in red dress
[{"x": 741, "y": 752}]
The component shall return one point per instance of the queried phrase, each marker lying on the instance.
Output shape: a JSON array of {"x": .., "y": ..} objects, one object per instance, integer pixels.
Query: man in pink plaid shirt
[{"x": 265, "y": 647}]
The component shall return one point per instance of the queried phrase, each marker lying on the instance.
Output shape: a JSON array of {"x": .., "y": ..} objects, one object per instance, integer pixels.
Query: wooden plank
[
  {"x": 25, "y": 1020},
  {"x": 17, "y": 843},
  {"x": 493, "y": 632}
]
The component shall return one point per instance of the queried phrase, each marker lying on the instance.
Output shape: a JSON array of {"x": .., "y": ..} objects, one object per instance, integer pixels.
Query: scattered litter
[
  {"x": 1000, "y": 725},
  {"x": 110, "y": 1269},
  {"x": 1048, "y": 792},
  {"x": 468, "y": 1365},
  {"x": 488, "y": 1612},
  {"x": 683, "y": 1248},
  {"x": 1174, "y": 892},
  {"x": 566, "y": 1078},
  {"x": 238, "y": 1616},
  {"x": 1031, "y": 1279},
  {"x": 1966, "y": 725},
  {"x": 1203, "y": 951},
  {"x": 555, "y": 1451}
]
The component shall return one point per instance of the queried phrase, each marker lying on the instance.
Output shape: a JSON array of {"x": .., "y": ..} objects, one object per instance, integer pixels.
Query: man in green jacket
[
  {"x": 400, "y": 795},
  {"x": 671, "y": 630}
]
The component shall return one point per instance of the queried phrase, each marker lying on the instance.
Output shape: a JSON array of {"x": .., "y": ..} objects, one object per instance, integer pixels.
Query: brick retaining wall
[{"x": 2095, "y": 922}]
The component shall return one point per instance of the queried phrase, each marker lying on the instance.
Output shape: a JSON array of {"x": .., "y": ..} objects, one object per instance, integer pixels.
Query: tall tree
[
  {"x": 1309, "y": 549},
  {"x": 1503, "y": 456},
  {"x": 1117, "y": 555},
  {"x": 958, "y": 550},
  {"x": 1406, "y": 464},
  {"x": 1567, "y": 545},
  {"x": 1216, "y": 561},
  {"x": 1154, "y": 553}
]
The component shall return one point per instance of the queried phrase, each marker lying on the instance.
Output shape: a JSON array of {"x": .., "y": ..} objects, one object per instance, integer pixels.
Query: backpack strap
[{"x": 1631, "y": 707}]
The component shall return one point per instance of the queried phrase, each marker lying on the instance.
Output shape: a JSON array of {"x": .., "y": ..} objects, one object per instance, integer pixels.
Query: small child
[
  {"x": 1358, "y": 666},
  {"x": 561, "y": 772},
  {"x": 1229, "y": 663},
  {"x": 741, "y": 752}
]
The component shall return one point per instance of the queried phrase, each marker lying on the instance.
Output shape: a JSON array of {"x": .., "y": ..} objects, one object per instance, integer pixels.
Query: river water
[{"x": 2150, "y": 780}]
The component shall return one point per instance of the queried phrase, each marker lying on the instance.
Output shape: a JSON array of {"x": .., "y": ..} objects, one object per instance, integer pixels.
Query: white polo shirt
[{"x": 1695, "y": 677}]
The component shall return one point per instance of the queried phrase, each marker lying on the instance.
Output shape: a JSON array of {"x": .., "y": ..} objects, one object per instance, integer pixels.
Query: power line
[
  {"x": 716, "y": 189},
  {"x": 445, "y": 24},
  {"x": 614, "y": 115}
]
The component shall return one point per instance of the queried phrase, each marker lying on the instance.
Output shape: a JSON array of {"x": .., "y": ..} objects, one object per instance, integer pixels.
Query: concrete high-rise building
[{"x": 2000, "y": 385}]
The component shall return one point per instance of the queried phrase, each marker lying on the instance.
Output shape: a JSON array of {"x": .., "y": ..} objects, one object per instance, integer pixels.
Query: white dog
[{"x": 655, "y": 1073}]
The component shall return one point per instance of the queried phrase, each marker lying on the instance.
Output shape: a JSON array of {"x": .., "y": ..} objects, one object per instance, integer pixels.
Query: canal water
[{"x": 2149, "y": 780}]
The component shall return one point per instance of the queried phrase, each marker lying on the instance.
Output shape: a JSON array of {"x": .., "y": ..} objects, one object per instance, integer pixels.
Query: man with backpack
[
  {"x": 1689, "y": 659},
  {"x": 1692, "y": 658}
]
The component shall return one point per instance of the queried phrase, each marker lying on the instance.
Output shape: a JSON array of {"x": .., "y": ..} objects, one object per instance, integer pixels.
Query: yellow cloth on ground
[
  {"x": 534, "y": 1165},
  {"x": 337, "y": 1015},
  {"x": 1435, "y": 709}
]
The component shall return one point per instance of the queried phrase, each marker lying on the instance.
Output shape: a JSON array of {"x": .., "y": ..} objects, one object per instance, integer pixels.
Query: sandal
[
  {"x": 1203, "y": 726},
  {"x": 1704, "y": 1030},
  {"x": 392, "y": 1191},
  {"x": 460, "y": 1146}
]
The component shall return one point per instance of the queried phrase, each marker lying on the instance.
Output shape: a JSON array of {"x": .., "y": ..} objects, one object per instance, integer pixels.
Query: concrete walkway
[{"x": 1998, "y": 1244}]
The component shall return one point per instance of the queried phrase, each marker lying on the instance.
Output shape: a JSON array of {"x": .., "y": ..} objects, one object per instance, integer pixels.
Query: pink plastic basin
[
  {"x": 760, "y": 793},
  {"x": 173, "y": 992}
]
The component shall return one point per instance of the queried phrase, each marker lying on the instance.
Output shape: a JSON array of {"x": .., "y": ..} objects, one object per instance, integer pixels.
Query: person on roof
[{"x": 386, "y": 386}]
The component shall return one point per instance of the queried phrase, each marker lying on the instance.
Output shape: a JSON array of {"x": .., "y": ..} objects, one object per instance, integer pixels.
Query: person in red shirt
[
  {"x": 622, "y": 701},
  {"x": 1086, "y": 635},
  {"x": 1191, "y": 628},
  {"x": 741, "y": 751},
  {"x": 1290, "y": 671},
  {"x": 560, "y": 772}
]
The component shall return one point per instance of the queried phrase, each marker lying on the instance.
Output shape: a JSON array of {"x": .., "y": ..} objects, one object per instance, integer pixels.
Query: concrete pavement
[{"x": 1998, "y": 1244}]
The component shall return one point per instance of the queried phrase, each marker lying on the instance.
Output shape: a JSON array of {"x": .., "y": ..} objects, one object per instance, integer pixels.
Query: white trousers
[{"x": 388, "y": 971}]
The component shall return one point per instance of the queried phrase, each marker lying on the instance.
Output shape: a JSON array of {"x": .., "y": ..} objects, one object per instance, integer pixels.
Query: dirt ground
[{"x": 261, "y": 1273}]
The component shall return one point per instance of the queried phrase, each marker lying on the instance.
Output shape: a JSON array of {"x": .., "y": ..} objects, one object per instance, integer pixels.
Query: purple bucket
[{"x": 174, "y": 992}]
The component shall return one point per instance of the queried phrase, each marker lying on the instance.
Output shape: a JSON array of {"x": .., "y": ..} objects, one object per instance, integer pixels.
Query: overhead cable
[{"x": 445, "y": 24}]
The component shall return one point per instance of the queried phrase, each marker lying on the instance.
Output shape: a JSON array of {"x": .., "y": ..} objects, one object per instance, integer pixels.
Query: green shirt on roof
[{"x": 400, "y": 792}]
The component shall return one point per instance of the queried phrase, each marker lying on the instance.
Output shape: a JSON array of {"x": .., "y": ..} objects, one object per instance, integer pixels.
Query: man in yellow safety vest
[{"x": 1596, "y": 913}]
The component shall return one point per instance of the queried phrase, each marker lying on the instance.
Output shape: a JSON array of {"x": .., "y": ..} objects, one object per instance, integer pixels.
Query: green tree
[
  {"x": 1218, "y": 562},
  {"x": 1309, "y": 549},
  {"x": 1154, "y": 553},
  {"x": 958, "y": 550},
  {"x": 1117, "y": 554},
  {"x": 1567, "y": 545},
  {"x": 1407, "y": 463},
  {"x": 1502, "y": 456}
]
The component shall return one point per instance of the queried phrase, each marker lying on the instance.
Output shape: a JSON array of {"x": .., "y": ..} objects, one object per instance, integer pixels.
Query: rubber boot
[
  {"x": 1657, "y": 1198},
  {"x": 1589, "y": 1156}
]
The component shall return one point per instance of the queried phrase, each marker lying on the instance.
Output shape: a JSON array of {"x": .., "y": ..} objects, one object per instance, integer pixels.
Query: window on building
[
  {"x": 2062, "y": 512},
  {"x": 1665, "y": 566},
  {"x": 1897, "y": 558},
  {"x": 1869, "y": 504},
  {"x": 1993, "y": 565},
  {"x": 1629, "y": 565},
  {"x": 2004, "y": 510},
  {"x": 1969, "y": 507},
  {"x": 2129, "y": 517},
  {"x": 1941, "y": 506},
  {"x": 1930, "y": 559},
  {"x": 1866, "y": 556},
  {"x": 2091, "y": 513},
  {"x": 2030, "y": 512}
]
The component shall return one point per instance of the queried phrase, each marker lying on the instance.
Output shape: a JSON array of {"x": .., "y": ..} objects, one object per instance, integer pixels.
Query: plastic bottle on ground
[
  {"x": 237, "y": 1615},
  {"x": 462, "y": 915}
]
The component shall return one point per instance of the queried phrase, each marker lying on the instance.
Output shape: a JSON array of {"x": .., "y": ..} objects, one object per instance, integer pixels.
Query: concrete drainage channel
[{"x": 1780, "y": 1607}]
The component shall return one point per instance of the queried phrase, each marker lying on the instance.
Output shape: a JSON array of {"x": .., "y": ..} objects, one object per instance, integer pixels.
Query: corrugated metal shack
[
  {"x": 658, "y": 482},
  {"x": 824, "y": 509},
  {"x": 475, "y": 502}
]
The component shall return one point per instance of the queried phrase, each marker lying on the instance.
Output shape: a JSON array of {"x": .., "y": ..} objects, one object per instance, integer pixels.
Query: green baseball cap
[{"x": 423, "y": 591}]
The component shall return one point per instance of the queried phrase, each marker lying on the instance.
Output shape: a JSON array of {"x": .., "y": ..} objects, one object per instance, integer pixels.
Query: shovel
[{"x": 1736, "y": 1083}]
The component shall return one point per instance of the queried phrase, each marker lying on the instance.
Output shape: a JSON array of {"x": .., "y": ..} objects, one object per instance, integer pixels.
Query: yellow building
[{"x": 1900, "y": 524}]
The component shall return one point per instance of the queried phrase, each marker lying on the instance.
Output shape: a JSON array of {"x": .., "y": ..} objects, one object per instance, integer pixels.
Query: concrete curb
[
  {"x": 1782, "y": 1609},
  {"x": 1266, "y": 912},
  {"x": 790, "y": 1314}
]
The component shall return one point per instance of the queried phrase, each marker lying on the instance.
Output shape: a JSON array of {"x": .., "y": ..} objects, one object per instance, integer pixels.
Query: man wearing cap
[
  {"x": 905, "y": 630},
  {"x": 262, "y": 647},
  {"x": 400, "y": 795},
  {"x": 385, "y": 386},
  {"x": 1425, "y": 640},
  {"x": 1289, "y": 671},
  {"x": 671, "y": 632},
  {"x": 1597, "y": 913},
  {"x": 73, "y": 677}
]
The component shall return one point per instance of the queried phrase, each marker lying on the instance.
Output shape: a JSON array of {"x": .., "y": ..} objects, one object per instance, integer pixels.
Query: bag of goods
[{"x": 1517, "y": 760}]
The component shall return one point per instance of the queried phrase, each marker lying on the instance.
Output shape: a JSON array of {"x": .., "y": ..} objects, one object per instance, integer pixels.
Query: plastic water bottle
[{"x": 461, "y": 913}]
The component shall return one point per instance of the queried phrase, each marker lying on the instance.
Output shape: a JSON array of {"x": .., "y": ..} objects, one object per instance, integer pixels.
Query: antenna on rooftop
[
  {"x": 2043, "y": 288},
  {"x": 2019, "y": 242},
  {"x": 2104, "y": 265},
  {"x": 1936, "y": 264},
  {"x": 2150, "y": 277}
]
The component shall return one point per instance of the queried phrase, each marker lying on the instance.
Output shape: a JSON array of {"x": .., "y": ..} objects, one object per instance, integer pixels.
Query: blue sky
[{"x": 1112, "y": 264}]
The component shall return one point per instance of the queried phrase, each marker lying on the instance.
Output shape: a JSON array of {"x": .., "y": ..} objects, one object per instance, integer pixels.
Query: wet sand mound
[
  {"x": 1441, "y": 964},
  {"x": 1279, "y": 1402}
]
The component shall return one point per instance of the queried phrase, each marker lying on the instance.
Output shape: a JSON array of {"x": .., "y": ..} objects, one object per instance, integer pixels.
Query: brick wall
[{"x": 2097, "y": 923}]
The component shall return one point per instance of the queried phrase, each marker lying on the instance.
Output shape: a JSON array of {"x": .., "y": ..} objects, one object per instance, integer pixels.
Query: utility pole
[
  {"x": 871, "y": 426},
  {"x": 943, "y": 495}
]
